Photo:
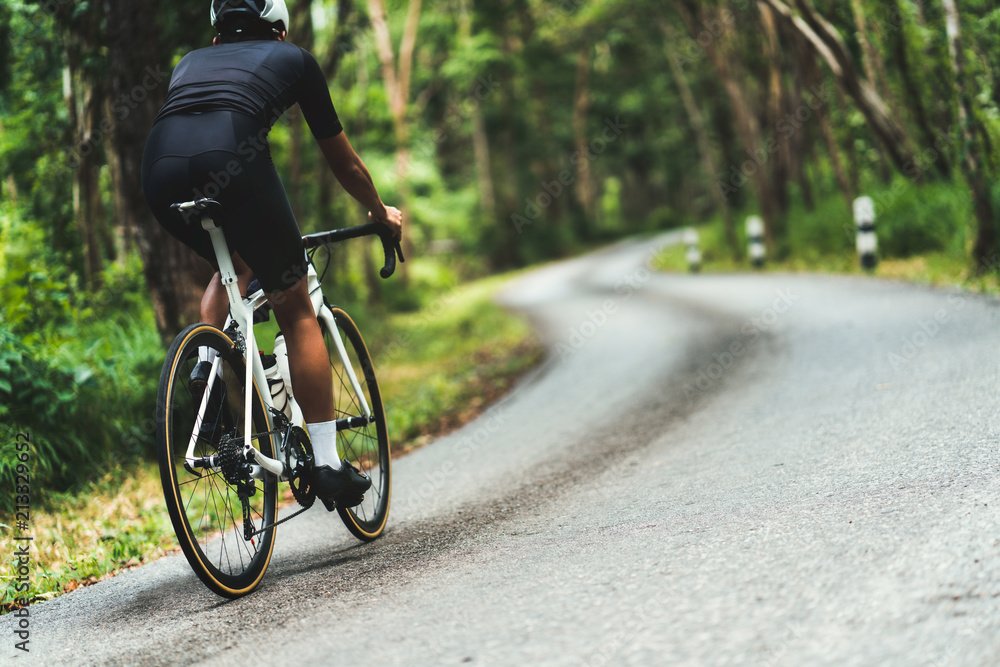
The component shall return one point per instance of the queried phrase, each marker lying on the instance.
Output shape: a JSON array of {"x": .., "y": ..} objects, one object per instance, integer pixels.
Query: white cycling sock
[{"x": 324, "y": 442}]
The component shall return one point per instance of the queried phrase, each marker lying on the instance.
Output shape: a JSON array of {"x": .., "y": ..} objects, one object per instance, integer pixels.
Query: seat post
[{"x": 223, "y": 257}]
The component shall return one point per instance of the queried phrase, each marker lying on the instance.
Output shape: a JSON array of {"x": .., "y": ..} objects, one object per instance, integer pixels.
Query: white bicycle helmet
[{"x": 270, "y": 11}]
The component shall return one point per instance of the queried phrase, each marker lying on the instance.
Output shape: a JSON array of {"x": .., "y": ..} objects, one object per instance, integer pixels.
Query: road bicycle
[{"x": 223, "y": 444}]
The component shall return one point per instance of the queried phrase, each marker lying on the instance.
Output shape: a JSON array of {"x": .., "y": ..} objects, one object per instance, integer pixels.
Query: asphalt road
[{"x": 764, "y": 470}]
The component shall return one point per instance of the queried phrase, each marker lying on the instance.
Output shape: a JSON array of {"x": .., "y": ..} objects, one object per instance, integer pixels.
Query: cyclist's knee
[{"x": 293, "y": 303}]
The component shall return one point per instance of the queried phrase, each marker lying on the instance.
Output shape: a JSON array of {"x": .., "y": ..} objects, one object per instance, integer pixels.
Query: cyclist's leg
[
  {"x": 312, "y": 379},
  {"x": 262, "y": 228},
  {"x": 312, "y": 384},
  {"x": 215, "y": 302}
]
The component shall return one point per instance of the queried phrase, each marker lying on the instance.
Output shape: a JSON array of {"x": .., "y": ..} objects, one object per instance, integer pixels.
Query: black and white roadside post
[
  {"x": 693, "y": 254},
  {"x": 864, "y": 218},
  {"x": 755, "y": 237}
]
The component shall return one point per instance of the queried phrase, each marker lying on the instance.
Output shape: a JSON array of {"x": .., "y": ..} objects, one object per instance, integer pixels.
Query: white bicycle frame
[{"x": 241, "y": 311}]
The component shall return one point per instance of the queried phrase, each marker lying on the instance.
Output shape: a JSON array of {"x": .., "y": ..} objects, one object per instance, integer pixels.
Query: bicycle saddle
[{"x": 197, "y": 209}]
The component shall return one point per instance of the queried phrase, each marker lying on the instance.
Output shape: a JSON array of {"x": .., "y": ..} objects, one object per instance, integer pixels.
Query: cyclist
[{"x": 210, "y": 140}]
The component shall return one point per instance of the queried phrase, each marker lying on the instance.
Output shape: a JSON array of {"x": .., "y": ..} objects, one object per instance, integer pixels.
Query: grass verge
[{"x": 438, "y": 368}]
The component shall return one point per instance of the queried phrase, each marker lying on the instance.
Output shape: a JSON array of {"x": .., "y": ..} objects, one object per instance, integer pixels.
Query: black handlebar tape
[{"x": 390, "y": 247}]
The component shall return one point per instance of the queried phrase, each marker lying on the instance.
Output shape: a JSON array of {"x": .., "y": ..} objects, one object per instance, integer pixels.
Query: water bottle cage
[{"x": 275, "y": 384}]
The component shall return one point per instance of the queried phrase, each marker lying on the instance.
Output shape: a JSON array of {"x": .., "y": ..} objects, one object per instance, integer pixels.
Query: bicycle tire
[
  {"x": 365, "y": 447},
  {"x": 205, "y": 510}
]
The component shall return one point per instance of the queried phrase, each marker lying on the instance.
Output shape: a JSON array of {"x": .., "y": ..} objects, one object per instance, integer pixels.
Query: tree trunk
[
  {"x": 871, "y": 59},
  {"x": 779, "y": 163},
  {"x": 137, "y": 84},
  {"x": 871, "y": 64},
  {"x": 827, "y": 42},
  {"x": 87, "y": 190},
  {"x": 484, "y": 170},
  {"x": 731, "y": 75},
  {"x": 122, "y": 230},
  {"x": 984, "y": 250},
  {"x": 480, "y": 140},
  {"x": 301, "y": 18},
  {"x": 84, "y": 102},
  {"x": 506, "y": 248},
  {"x": 708, "y": 163},
  {"x": 396, "y": 77},
  {"x": 586, "y": 193},
  {"x": 915, "y": 99},
  {"x": 813, "y": 80},
  {"x": 342, "y": 38},
  {"x": 801, "y": 144}
]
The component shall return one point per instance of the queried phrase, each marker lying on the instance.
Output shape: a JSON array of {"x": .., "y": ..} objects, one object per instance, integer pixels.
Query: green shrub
[
  {"x": 911, "y": 219},
  {"x": 828, "y": 229},
  {"x": 45, "y": 401}
]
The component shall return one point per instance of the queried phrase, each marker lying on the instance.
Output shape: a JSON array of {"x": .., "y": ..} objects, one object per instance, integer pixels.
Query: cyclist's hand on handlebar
[{"x": 393, "y": 219}]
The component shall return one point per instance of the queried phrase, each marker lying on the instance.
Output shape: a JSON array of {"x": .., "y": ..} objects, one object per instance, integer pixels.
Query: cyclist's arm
[
  {"x": 352, "y": 173},
  {"x": 313, "y": 97},
  {"x": 354, "y": 177}
]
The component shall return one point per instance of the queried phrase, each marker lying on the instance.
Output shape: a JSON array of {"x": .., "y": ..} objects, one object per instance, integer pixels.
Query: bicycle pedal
[{"x": 331, "y": 504}]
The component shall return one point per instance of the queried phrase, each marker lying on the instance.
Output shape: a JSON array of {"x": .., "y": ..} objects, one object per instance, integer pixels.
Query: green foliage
[
  {"x": 38, "y": 296},
  {"x": 34, "y": 139},
  {"x": 87, "y": 403},
  {"x": 504, "y": 97},
  {"x": 913, "y": 220},
  {"x": 929, "y": 222},
  {"x": 826, "y": 230},
  {"x": 78, "y": 370},
  {"x": 50, "y": 404}
]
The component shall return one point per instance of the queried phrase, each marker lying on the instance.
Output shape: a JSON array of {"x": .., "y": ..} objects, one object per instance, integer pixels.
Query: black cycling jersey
[
  {"x": 210, "y": 140},
  {"x": 260, "y": 78}
]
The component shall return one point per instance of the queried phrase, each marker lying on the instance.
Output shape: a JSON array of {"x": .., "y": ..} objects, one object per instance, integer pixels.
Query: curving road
[{"x": 766, "y": 469}]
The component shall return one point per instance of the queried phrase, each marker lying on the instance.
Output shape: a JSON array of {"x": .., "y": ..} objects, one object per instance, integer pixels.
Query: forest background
[{"x": 510, "y": 131}]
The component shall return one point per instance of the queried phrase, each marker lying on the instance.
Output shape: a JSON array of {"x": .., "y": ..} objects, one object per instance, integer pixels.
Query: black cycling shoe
[
  {"x": 345, "y": 486},
  {"x": 216, "y": 419}
]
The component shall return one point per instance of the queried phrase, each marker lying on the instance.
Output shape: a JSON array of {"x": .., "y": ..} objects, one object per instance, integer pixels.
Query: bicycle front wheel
[
  {"x": 363, "y": 443},
  {"x": 216, "y": 501}
]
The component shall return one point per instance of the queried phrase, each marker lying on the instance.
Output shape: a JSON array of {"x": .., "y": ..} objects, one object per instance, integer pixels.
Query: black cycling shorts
[{"x": 224, "y": 155}]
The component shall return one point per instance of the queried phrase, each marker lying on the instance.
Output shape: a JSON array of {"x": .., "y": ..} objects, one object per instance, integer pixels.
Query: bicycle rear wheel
[
  {"x": 210, "y": 518},
  {"x": 365, "y": 446}
]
